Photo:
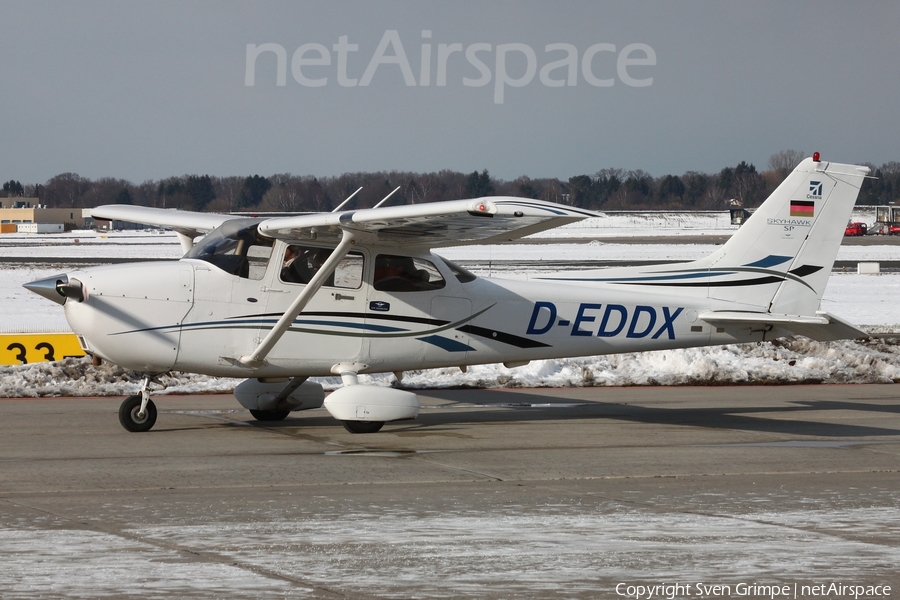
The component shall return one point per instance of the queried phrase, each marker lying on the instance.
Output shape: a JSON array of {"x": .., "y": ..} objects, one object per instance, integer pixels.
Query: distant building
[
  {"x": 19, "y": 202},
  {"x": 40, "y": 228},
  {"x": 107, "y": 225},
  {"x": 29, "y": 210}
]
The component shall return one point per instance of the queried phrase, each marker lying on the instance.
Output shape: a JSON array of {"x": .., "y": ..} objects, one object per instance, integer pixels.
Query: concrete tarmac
[{"x": 535, "y": 493}]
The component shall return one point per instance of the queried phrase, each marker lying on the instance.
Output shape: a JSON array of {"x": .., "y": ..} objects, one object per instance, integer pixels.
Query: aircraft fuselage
[{"x": 190, "y": 315}]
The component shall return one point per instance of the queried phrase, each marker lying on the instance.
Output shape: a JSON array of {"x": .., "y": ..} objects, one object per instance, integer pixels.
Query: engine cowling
[{"x": 372, "y": 403}]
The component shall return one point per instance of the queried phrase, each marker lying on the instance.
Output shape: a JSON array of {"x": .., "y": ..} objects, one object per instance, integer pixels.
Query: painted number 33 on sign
[{"x": 21, "y": 349}]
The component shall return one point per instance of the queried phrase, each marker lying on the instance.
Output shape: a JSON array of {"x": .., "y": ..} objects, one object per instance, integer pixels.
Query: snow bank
[
  {"x": 788, "y": 361},
  {"x": 78, "y": 377}
]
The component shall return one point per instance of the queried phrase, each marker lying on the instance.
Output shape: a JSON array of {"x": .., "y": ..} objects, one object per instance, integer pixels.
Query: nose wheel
[
  {"x": 138, "y": 413},
  {"x": 130, "y": 414}
]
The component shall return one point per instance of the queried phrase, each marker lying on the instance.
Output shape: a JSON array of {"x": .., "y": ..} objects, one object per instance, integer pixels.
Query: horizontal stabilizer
[{"x": 823, "y": 327}]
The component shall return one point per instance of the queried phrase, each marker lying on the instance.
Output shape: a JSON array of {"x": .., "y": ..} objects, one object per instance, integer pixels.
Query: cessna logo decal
[
  {"x": 815, "y": 188},
  {"x": 608, "y": 321}
]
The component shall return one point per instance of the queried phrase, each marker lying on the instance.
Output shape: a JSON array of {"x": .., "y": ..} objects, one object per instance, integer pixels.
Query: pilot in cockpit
[{"x": 294, "y": 268}]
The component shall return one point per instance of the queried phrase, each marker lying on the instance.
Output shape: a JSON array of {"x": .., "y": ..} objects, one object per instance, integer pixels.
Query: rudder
[{"x": 780, "y": 259}]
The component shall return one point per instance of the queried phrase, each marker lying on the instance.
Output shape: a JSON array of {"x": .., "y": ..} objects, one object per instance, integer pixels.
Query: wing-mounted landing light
[
  {"x": 58, "y": 288},
  {"x": 483, "y": 208}
]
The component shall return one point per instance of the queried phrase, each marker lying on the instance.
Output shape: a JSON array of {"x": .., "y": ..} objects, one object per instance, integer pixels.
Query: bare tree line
[{"x": 606, "y": 189}]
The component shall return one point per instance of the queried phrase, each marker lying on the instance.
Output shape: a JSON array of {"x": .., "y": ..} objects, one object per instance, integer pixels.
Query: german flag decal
[{"x": 802, "y": 208}]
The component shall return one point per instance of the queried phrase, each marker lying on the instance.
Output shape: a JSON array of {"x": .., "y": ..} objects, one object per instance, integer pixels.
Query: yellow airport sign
[{"x": 27, "y": 348}]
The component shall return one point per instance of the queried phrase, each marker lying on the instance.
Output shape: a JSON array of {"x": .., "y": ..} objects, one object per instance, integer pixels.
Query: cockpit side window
[
  {"x": 258, "y": 259},
  {"x": 236, "y": 248},
  {"x": 406, "y": 274}
]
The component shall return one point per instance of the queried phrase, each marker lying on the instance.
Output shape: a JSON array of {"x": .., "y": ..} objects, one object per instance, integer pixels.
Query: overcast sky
[{"x": 145, "y": 90}]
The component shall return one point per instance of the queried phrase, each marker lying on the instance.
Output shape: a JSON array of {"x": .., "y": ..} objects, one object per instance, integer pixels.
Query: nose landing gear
[{"x": 138, "y": 413}]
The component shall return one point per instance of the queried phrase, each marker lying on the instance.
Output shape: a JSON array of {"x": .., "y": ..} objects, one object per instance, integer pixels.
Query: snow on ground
[
  {"x": 24, "y": 312},
  {"x": 868, "y": 300},
  {"x": 91, "y": 244},
  {"x": 571, "y": 547},
  {"x": 646, "y": 223},
  {"x": 664, "y": 223}
]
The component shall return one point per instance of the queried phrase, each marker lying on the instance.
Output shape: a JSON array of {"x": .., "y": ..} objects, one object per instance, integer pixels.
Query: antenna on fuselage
[
  {"x": 350, "y": 197},
  {"x": 383, "y": 200}
]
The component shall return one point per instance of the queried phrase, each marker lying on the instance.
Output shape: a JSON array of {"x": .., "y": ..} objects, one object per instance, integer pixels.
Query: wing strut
[
  {"x": 186, "y": 237},
  {"x": 257, "y": 358}
]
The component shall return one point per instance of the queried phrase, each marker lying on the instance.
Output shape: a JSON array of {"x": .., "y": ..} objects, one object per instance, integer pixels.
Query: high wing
[
  {"x": 438, "y": 224},
  {"x": 187, "y": 225},
  {"x": 163, "y": 217}
]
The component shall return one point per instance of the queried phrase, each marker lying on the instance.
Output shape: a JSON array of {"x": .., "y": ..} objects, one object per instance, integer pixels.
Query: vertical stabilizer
[
  {"x": 776, "y": 264},
  {"x": 780, "y": 259}
]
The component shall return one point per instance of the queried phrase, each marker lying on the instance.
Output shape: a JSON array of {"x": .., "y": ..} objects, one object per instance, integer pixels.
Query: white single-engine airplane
[{"x": 279, "y": 300}]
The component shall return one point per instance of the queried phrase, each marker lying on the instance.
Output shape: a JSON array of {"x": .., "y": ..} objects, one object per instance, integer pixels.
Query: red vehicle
[
  {"x": 893, "y": 229},
  {"x": 857, "y": 228}
]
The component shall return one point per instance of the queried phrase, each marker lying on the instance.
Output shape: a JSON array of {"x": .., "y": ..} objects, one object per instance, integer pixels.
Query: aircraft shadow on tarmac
[{"x": 494, "y": 407}]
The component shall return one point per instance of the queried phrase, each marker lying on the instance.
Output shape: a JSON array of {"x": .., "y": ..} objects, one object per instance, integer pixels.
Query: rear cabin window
[
  {"x": 300, "y": 263},
  {"x": 406, "y": 274},
  {"x": 461, "y": 274}
]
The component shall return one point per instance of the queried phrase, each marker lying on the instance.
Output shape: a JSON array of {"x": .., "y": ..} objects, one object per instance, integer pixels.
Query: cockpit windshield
[{"x": 235, "y": 247}]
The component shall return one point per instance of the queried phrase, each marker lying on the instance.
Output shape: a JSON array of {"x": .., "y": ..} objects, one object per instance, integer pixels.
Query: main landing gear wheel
[
  {"x": 128, "y": 414},
  {"x": 269, "y": 415},
  {"x": 363, "y": 426}
]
